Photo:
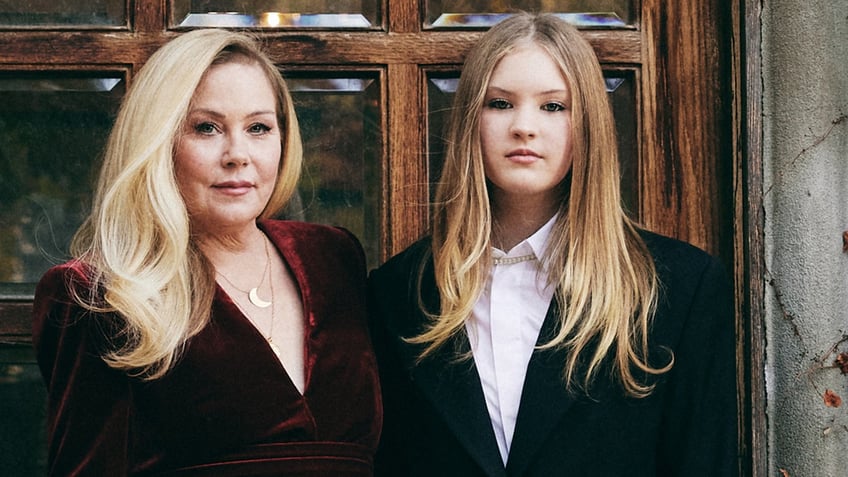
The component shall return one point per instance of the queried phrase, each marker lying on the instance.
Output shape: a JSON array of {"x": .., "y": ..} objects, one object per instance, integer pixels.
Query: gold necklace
[
  {"x": 253, "y": 293},
  {"x": 270, "y": 337}
]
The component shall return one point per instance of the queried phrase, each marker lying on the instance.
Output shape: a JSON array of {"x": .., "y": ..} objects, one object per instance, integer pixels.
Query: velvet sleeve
[
  {"x": 88, "y": 402},
  {"x": 699, "y": 428}
]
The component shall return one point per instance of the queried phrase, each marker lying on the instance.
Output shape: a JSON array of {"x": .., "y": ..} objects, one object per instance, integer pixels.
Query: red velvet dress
[{"x": 228, "y": 408}]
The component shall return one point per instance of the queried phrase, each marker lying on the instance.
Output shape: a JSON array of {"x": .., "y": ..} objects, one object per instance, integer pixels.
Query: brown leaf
[
  {"x": 845, "y": 241},
  {"x": 831, "y": 399},
  {"x": 841, "y": 362}
]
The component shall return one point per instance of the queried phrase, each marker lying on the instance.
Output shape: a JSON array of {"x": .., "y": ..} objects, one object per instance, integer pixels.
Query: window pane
[
  {"x": 440, "y": 90},
  {"x": 622, "y": 95},
  {"x": 22, "y": 392},
  {"x": 340, "y": 123},
  {"x": 277, "y": 14},
  {"x": 52, "y": 129},
  {"x": 63, "y": 13},
  {"x": 621, "y": 87},
  {"x": 482, "y": 13}
]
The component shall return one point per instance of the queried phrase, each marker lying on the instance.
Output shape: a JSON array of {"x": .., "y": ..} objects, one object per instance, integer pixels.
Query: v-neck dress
[{"x": 228, "y": 407}]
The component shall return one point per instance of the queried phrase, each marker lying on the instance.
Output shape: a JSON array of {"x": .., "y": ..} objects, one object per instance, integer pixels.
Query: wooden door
[{"x": 371, "y": 81}]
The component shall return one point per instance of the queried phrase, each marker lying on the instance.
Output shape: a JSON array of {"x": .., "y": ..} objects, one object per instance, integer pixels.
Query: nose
[
  {"x": 236, "y": 152},
  {"x": 523, "y": 123}
]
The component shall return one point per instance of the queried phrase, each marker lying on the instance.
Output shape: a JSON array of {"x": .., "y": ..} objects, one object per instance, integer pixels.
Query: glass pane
[
  {"x": 483, "y": 13},
  {"x": 340, "y": 123},
  {"x": 44, "y": 196},
  {"x": 622, "y": 94},
  {"x": 621, "y": 87},
  {"x": 52, "y": 129},
  {"x": 440, "y": 90},
  {"x": 277, "y": 14},
  {"x": 22, "y": 392},
  {"x": 63, "y": 13}
]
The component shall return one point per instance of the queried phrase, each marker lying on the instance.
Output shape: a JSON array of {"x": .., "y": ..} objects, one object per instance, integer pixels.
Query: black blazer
[{"x": 435, "y": 417}]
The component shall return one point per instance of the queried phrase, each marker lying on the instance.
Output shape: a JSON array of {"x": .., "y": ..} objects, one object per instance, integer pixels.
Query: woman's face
[
  {"x": 228, "y": 151},
  {"x": 525, "y": 128}
]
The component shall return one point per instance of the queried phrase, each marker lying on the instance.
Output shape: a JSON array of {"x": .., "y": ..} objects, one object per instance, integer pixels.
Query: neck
[
  {"x": 514, "y": 221},
  {"x": 236, "y": 261},
  {"x": 228, "y": 249}
]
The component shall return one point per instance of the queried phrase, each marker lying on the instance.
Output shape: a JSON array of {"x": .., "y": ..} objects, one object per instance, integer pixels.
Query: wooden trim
[
  {"x": 15, "y": 321},
  {"x": 404, "y": 16},
  {"x": 752, "y": 255},
  {"x": 294, "y": 47},
  {"x": 406, "y": 191},
  {"x": 60, "y": 48},
  {"x": 148, "y": 16},
  {"x": 742, "y": 380},
  {"x": 683, "y": 102}
]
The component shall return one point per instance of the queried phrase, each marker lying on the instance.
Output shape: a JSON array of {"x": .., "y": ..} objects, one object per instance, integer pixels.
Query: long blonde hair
[
  {"x": 606, "y": 284},
  {"x": 137, "y": 241}
]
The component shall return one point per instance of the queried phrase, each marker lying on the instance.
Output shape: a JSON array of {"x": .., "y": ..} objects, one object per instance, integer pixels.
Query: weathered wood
[
  {"x": 686, "y": 127},
  {"x": 149, "y": 16},
  {"x": 751, "y": 289},
  {"x": 15, "y": 321},
  {"x": 313, "y": 48},
  {"x": 406, "y": 192},
  {"x": 403, "y": 16}
]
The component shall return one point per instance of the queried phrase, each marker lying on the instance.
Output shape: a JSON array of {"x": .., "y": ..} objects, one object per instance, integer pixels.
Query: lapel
[
  {"x": 454, "y": 390},
  {"x": 544, "y": 400}
]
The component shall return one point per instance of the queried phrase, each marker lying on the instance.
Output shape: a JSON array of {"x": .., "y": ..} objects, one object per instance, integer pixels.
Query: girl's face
[
  {"x": 525, "y": 128},
  {"x": 228, "y": 151}
]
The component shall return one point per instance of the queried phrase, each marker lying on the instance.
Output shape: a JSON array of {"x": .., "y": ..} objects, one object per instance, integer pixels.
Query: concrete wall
[{"x": 805, "y": 138}]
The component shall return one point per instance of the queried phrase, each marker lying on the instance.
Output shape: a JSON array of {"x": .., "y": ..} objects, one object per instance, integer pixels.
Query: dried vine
[{"x": 836, "y": 356}]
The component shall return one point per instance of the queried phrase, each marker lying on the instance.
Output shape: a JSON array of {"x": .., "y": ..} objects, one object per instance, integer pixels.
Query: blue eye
[
  {"x": 205, "y": 128},
  {"x": 553, "y": 107},
  {"x": 259, "y": 128},
  {"x": 499, "y": 104}
]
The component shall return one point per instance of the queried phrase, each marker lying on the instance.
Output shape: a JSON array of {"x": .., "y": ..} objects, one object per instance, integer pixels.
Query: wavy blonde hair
[
  {"x": 137, "y": 241},
  {"x": 605, "y": 279}
]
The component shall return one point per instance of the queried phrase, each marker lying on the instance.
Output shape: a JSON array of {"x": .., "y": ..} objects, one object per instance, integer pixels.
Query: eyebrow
[
  {"x": 541, "y": 93},
  {"x": 217, "y": 114}
]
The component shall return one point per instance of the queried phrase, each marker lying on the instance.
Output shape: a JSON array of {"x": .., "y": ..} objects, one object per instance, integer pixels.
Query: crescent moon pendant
[{"x": 253, "y": 296}]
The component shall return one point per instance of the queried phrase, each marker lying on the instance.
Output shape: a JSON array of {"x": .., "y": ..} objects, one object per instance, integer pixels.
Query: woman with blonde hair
[
  {"x": 192, "y": 333},
  {"x": 539, "y": 331}
]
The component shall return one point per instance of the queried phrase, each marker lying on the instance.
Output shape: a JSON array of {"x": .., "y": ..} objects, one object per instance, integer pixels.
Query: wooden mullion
[
  {"x": 406, "y": 192},
  {"x": 288, "y": 47},
  {"x": 404, "y": 16},
  {"x": 650, "y": 118},
  {"x": 77, "y": 48},
  {"x": 148, "y": 16},
  {"x": 373, "y": 47}
]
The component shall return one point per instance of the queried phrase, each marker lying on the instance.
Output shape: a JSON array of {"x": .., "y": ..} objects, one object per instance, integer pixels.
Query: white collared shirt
[{"x": 504, "y": 328}]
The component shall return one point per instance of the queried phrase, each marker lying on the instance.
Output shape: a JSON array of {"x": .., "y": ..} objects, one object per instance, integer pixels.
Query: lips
[
  {"x": 523, "y": 156},
  {"x": 234, "y": 187}
]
